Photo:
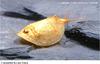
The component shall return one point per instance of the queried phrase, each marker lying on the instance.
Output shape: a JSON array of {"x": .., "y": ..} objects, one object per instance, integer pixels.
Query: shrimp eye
[{"x": 25, "y": 31}]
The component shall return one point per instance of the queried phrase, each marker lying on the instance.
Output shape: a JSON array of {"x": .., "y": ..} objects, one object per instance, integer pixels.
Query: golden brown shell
[{"x": 45, "y": 32}]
